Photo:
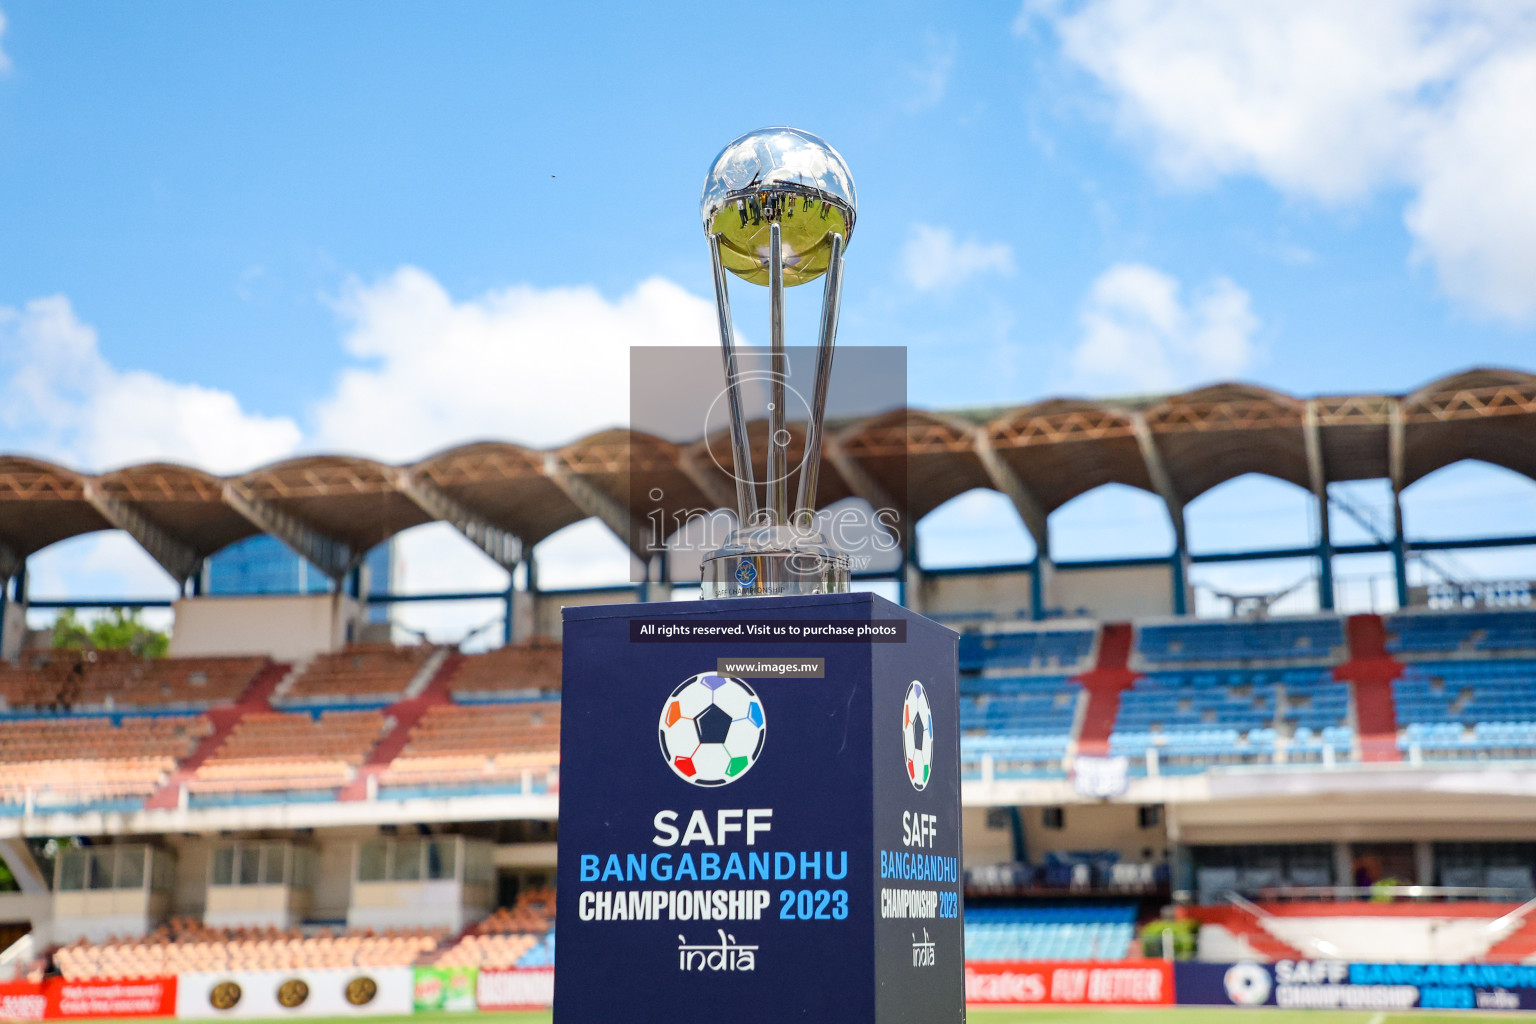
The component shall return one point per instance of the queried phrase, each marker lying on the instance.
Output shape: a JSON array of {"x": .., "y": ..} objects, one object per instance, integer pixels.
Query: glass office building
[{"x": 265, "y": 565}]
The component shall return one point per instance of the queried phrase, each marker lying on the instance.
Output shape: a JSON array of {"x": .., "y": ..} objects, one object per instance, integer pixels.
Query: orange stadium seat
[
  {"x": 185, "y": 945},
  {"x": 532, "y": 667},
  {"x": 362, "y": 671},
  {"x": 505, "y": 936},
  {"x": 106, "y": 680},
  {"x": 275, "y": 751},
  {"x": 78, "y": 760},
  {"x": 459, "y": 744}
]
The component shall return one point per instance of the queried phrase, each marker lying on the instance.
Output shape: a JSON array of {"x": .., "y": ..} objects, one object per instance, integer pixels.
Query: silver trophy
[{"x": 778, "y": 208}]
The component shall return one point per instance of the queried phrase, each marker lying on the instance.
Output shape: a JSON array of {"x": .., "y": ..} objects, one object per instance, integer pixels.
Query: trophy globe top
[{"x": 784, "y": 176}]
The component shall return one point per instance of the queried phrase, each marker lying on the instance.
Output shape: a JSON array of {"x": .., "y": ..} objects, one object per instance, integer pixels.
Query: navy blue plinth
[{"x": 815, "y": 881}]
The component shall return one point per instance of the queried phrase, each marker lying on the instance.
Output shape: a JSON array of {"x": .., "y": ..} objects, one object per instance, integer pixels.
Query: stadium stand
[
  {"x": 1018, "y": 649},
  {"x": 476, "y": 747},
  {"x": 521, "y": 936},
  {"x": 274, "y": 755},
  {"x": 360, "y": 674},
  {"x": 1468, "y": 685},
  {"x": 187, "y": 945},
  {"x": 541, "y": 955},
  {"x": 1235, "y": 692},
  {"x": 1313, "y": 640},
  {"x": 1463, "y": 633},
  {"x": 1018, "y": 702},
  {"x": 1049, "y": 932},
  {"x": 100, "y": 763},
  {"x": 1194, "y": 719},
  {"x": 59, "y": 681},
  {"x": 1024, "y": 723},
  {"x": 515, "y": 670}
]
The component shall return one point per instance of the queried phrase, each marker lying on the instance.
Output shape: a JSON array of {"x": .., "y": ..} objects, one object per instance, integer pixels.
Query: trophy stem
[
  {"x": 741, "y": 451},
  {"x": 778, "y": 371},
  {"x": 810, "y": 464}
]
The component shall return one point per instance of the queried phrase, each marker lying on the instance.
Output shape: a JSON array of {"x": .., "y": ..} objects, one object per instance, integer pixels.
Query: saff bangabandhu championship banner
[{"x": 760, "y": 814}]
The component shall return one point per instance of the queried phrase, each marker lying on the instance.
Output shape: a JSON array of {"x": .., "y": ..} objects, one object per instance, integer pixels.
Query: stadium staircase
[
  {"x": 257, "y": 697},
  {"x": 405, "y": 714},
  {"x": 1518, "y": 947},
  {"x": 1247, "y": 926},
  {"x": 1108, "y": 679},
  {"x": 1370, "y": 671}
]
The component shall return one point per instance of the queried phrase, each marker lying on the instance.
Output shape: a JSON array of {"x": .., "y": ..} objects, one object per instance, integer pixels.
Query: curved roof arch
[{"x": 1041, "y": 455}]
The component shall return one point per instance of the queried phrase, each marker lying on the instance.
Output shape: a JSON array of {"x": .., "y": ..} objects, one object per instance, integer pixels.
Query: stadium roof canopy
[{"x": 503, "y": 496}]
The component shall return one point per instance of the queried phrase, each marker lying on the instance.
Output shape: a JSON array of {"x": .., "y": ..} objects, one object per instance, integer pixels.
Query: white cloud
[
  {"x": 1140, "y": 334},
  {"x": 1333, "y": 101},
  {"x": 1474, "y": 216},
  {"x": 61, "y": 399},
  {"x": 5, "y": 62},
  {"x": 540, "y": 366},
  {"x": 934, "y": 260},
  {"x": 929, "y": 79}
]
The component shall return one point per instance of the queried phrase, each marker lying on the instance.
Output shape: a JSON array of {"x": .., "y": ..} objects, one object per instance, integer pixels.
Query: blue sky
[{"x": 232, "y": 232}]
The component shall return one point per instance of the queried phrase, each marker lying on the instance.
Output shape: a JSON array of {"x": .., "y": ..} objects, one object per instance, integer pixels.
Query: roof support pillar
[
  {"x": 697, "y": 470},
  {"x": 1317, "y": 476},
  {"x": 502, "y": 546},
  {"x": 509, "y": 603},
  {"x": 331, "y": 556},
  {"x": 865, "y": 486},
  {"x": 1162, "y": 483},
  {"x": 1396, "y": 461},
  {"x": 909, "y": 585},
  {"x": 1036, "y": 520},
  {"x": 13, "y": 609},
  {"x": 174, "y": 555},
  {"x": 634, "y": 534}
]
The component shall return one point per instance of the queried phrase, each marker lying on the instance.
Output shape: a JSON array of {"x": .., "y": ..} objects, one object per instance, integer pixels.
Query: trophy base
[{"x": 774, "y": 562}]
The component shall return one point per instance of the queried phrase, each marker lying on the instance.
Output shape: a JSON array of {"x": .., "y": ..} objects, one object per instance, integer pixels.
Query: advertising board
[
  {"x": 58, "y": 999},
  {"x": 443, "y": 988},
  {"x": 516, "y": 988},
  {"x": 1340, "y": 985},
  {"x": 343, "y": 992},
  {"x": 1049, "y": 983}
]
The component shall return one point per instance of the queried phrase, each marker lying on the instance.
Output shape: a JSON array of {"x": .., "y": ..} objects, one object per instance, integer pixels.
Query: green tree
[
  {"x": 121, "y": 629},
  {"x": 69, "y": 634}
]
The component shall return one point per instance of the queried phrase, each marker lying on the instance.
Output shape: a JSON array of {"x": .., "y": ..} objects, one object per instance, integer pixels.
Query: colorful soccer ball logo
[
  {"x": 917, "y": 735},
  {"x": 712, "y": 729}
]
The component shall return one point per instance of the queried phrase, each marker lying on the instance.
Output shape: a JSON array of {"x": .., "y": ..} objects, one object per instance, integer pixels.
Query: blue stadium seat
[
  {"x": 541, "y": 955},
  {"x": 1049, "y": 932},
  {"x": 1462, "y": 694},
  {"x": 1231, "y": 716},
  {"x": 1023, "y": 723},
  {"x": 1455, "y": 631},
  {"x": 1061, "y": 651},
  {"x": 1314, "y": 640}
]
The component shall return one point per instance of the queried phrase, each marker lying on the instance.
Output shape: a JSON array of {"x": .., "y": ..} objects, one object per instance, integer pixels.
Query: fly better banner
[
  {"x": 1048, "y": 983},
  {"x": 1340, "y": 985}
]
